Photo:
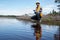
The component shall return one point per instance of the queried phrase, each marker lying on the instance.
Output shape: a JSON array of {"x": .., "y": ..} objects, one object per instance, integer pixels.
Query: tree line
[{"x": 53, "y": 12}]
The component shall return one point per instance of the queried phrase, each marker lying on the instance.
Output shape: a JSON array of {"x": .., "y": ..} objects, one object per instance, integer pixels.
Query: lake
[{"x": 13, "y": 29}]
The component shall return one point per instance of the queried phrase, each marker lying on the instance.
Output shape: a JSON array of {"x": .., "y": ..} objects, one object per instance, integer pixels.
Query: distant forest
[
  {"x": 53, "y": 12},
  {"x": 7, "y": 16}
]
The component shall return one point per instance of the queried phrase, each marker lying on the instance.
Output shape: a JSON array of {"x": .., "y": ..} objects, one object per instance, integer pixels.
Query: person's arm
[
  {"x": 40, "y": 10},
  {"x": 34, "y": 11}
]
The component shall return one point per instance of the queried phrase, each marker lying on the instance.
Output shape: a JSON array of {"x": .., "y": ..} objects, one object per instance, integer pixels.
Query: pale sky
[{"x": 20, "y": 7}]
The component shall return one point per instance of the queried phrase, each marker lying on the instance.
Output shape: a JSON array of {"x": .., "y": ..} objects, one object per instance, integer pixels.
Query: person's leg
[{"x": 38, "y": 18}]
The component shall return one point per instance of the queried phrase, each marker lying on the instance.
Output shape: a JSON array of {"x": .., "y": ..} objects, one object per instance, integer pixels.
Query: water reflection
[
  {"x": 37, "y": 31},
  {"x": 12, "y": 29},
  {"x": 57, "y": 35}
]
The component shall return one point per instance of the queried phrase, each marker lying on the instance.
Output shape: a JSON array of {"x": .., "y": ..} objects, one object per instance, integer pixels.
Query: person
[{"x": 38, "y": 12}]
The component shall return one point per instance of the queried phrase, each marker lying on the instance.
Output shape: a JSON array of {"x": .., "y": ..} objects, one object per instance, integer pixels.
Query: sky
[{"x": 21, "y": 7}]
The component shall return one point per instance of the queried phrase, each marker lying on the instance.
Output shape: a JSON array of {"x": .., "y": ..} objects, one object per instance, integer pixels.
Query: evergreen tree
[{"x": 58, "y": 1}]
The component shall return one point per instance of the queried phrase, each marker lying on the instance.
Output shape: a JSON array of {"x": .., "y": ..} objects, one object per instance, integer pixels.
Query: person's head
[{"x": 37, "y": 3}]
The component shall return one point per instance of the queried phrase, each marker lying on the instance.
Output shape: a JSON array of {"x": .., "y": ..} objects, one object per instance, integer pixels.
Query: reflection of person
[
  {"x": 37, "y": 31},
  {"x": 38, "y": 12}
]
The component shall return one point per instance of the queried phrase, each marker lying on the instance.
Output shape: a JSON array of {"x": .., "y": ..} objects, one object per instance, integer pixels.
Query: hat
[{"x": 37, "y": 2}]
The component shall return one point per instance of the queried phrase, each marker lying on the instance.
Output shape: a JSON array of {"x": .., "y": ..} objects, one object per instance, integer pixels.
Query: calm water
[{"x": 13, "y": 29}]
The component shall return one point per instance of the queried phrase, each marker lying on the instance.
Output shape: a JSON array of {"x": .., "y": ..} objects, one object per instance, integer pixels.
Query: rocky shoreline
[{"x": 45, "y": 19}]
